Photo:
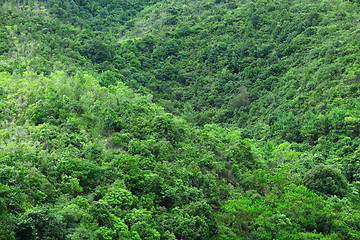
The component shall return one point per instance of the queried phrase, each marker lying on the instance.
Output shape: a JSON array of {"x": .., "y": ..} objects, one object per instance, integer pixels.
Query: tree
[
  {"x": 326, "y": 180},
  {"x": 39, "y": 223},
  {"x": 98, "y": 51}
]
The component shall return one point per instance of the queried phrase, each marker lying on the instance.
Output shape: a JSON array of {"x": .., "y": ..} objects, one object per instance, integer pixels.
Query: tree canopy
[{"x": 179, "y": 119}]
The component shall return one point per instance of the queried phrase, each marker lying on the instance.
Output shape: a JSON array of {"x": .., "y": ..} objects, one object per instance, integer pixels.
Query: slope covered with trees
[{"x": 179, "y": 119}]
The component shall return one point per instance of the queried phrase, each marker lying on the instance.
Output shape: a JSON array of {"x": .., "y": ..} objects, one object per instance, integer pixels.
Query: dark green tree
[{"x": 326, "y": 180}]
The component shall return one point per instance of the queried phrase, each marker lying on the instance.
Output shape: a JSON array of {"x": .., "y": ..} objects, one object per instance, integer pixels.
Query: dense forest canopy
[{"x": 174, "y": 119}]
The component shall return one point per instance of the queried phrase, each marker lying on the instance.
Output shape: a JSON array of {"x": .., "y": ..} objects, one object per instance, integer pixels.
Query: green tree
[{"x": 326, "y": 180}]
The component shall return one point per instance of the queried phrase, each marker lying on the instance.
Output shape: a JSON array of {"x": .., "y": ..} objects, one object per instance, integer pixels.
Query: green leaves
[
  {"x": 77, "y": 174},
  {"x": 165, "y": 126},
  {"x": 269, "y": 216},
  {"x": 165, "y": 50},
  {"x": 114, "y": 165},
  {"x": 52, "y": 108},
  {"x": 39, "y": 223},
  {"x": 326, "y": 180},
  {"x": 98, "y": 51},
  {"x": 119, "y": 198}
]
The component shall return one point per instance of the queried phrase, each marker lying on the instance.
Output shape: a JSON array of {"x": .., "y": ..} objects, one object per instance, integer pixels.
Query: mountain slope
[{"x": 179, "y": 120}]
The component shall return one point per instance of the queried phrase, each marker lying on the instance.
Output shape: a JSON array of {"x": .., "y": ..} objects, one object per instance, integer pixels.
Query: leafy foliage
[
  {"x": 326, "y": 180},
  {"x": 179, "y": 119}
]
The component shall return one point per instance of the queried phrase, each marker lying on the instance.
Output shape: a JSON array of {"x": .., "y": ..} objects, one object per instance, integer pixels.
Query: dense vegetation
[{"x": 179, "y": 119}]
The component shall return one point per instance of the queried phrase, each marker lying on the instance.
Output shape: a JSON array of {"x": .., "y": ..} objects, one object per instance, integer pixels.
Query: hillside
[{"x": 179, "y": 119}]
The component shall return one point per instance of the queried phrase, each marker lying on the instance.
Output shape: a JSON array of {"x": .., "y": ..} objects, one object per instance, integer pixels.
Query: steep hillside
[
  {"x": 284, "y": 71},
  {"x": 230, "y": 61},
  {"x": 179, "y": 119}
]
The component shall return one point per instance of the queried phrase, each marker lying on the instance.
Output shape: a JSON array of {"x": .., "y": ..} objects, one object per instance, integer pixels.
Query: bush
[{"x": 326, "y": 180}]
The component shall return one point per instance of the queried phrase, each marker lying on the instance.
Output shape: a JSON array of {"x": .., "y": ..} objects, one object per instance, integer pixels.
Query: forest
[{"x": 179, "y": 119}]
